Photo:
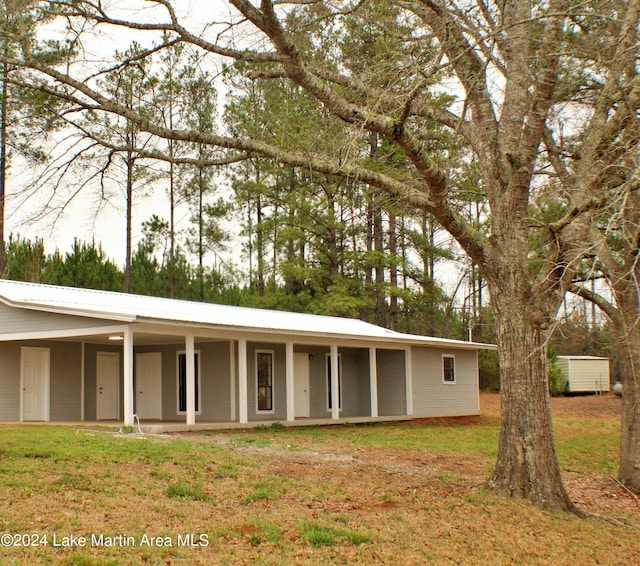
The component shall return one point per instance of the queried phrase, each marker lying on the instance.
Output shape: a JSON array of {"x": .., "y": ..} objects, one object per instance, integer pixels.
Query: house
[
  {"x": 69, "y": 355},
  {"x": 585, "y": 374}
]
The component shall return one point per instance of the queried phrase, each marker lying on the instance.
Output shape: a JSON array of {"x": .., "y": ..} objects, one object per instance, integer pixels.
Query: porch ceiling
[{"x": 140, "y": 339}]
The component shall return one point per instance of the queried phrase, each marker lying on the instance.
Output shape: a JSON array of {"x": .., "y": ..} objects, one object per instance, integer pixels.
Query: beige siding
[
  {"x": 588, "y": 375},
  {"x": 356, "y": 397},
  {"x": 65, "y": 380},
  {"x": 9, "y": 382},
  {"x": 15, "y": 321},
  {"x": 215, "y": 392},
  {"x": 432, "y": 397},
  {"x": 563, "y": 365},
  {"x": 355, "y": 382},
  {"x": 392, "y": 391},
  {"x": 318, "y": 382}
]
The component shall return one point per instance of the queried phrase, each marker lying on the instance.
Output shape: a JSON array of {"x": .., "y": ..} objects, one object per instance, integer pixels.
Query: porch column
[
  {"x": 408, "y": 372},
  {"x": 82, "y": 380},
  {"x": 373, "y": 381},
  {"x": 127, "y": 357},
  {"x": 242, "y": 381},
  {"x": 290, "y": 381},
  {"x": 335, "y": 387},
  {"x": 191, "y": 378}
]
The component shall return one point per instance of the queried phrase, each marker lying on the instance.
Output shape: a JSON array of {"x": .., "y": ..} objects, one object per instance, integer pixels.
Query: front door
[
  {"x": 108, "y": 386},
  {"x": 301, "y": 385},
  {"x": 34, "y": 374},
  {"x": 148, "y": 379}
]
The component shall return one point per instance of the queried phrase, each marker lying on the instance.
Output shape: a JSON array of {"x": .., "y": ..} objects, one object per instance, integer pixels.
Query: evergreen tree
[
  {"x": 24, "y": 260},
  {"x": 85, "y": 266}
]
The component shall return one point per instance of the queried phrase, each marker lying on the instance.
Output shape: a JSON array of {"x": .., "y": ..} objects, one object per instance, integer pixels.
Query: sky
[{"x": 81, "y": 218}]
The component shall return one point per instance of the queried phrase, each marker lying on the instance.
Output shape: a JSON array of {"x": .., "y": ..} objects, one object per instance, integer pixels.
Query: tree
[
  {"x": 618, "y": 259},
  {"x": 85, "y": 266},
  {"x": 199, "y": 113},
  {"x": 170, "y": 89},
  {"x": 518, "y": 70},
  {"x": 131, "y": 84},
  {"x": 24, "y": 113},
  {"x": 24, "y": 259}
]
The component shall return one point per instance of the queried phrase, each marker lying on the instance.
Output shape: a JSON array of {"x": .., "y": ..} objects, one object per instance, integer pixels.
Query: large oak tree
[{"x": 526, "y": 75}]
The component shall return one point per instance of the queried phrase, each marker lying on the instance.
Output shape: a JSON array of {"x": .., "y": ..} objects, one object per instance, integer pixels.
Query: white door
[
  {"x": 34, "y": 374},
  {"x": 301, "y": 385},
  {"x": 108, "y": 386},
  {"x": 148, "y": 380}
]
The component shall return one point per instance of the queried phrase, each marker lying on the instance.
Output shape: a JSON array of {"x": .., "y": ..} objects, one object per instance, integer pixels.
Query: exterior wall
[
  {"x": 563, "y": 364},
  {"x": 279, "y": 382},
  {"x": 434, "y": 398},
  {"x": 10, "y": 381},
  {"x": 66, "y": 387},
  {"x": 431, "y": 397},
  {"x": 215, "y": 395},
  {"x": 356, "y": 396},
  {"x": 90, "y": 393},
  {"x": 19, "y": 320},
  {"x": 318, "y": 382},
  {"x": 65, "y": 380},
  {"x": 392, "y": 390},
  {"x": 586, "y": 374}
]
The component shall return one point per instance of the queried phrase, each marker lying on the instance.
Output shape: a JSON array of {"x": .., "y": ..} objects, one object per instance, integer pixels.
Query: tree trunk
[
  {"x": 527, "y": 465},
  {"x": 201, "y": 234},
  {"x": 260, "y": 246},
  {"x": 368, "y": 264},
  {"x": 393, "y": 273},
  {"x": 129, "y": 222},
  {"x": 628, "y": 348},
  {"x": 172, "y": 224},
  {"x": 378, "y": 243},
  {"x": 4, "y": 103}
]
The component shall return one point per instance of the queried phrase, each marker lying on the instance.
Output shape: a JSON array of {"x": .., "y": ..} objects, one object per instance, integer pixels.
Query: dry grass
[{"x": 386, "y": 494}]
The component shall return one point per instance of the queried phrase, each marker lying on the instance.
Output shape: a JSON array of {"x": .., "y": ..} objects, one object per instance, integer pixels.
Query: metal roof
[
  {"x": 581, "y": 357},
  {"x": 126, "y": 307}
]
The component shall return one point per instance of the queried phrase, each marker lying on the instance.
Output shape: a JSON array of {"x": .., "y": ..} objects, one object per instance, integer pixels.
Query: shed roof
[
  {"x": 126, "y": 307},
  {"x": 580, "y": 357}
]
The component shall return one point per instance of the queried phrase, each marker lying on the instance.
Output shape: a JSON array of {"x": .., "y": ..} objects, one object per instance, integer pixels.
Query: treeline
[{"x": 87, "y": 265}]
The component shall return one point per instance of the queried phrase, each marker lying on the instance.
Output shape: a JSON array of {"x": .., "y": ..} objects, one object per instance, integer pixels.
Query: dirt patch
[
  {"x": 606, "y": 407},
  {"x": 601, "y": 496}
]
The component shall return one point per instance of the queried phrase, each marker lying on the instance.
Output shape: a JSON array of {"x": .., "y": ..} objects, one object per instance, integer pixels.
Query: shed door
[
  {"x": 148, "y": 379},
  {"x": 107, "y": 386},
  {"x": 301, "y": 385},
  {"x": 34, "y": 374}
]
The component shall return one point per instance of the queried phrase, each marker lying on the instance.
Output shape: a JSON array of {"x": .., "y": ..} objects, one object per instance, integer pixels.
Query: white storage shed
[{"x": 585, "y": 373}]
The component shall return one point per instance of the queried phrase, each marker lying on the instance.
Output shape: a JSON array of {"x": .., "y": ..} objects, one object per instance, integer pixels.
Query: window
[
  {"x": 448, "y": 369},
  {"x": 264, "y": 378},
  {"x": 182, "y": 382},
  {"x": 329, "y": 397}
]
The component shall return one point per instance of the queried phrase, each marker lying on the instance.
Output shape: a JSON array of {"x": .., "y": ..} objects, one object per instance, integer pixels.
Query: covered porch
[
  {"x": 168, "y": 377},
  {"x": 249, "y": 380}
]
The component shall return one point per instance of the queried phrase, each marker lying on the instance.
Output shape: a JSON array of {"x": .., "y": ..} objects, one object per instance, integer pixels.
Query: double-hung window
[
  {"x": 448, "y": 368},
  {"x": 264, "y": 380}
]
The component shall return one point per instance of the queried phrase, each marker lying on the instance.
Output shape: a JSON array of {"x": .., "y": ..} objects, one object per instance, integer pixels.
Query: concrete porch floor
[{"x": 160, "y": 427}]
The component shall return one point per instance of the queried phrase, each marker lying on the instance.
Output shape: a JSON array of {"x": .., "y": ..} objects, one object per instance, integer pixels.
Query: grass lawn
[{"x": 397, "y": 494}]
